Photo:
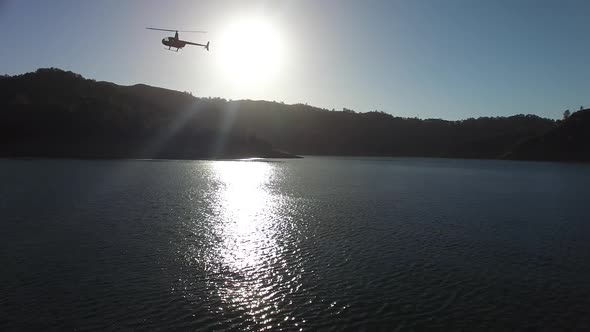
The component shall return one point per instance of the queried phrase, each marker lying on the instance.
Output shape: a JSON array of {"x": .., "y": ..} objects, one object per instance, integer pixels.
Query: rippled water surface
[{"x": 317, "y": 243}]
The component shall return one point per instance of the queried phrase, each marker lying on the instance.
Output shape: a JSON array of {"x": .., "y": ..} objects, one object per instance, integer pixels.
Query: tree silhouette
[{"x": 566, "y": 114}]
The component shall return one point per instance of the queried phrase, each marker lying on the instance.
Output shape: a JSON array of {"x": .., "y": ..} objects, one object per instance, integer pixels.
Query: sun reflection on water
[
  {"x": 245, "y": 208},
  {"x": 256, "y": 278}
]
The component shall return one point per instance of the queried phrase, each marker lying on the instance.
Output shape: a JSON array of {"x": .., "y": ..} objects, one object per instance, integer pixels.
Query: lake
[{"x": 321, "y": 243}]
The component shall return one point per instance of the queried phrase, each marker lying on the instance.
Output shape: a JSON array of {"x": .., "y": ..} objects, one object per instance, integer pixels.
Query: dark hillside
[
  {"x": 52, "y": 113},
  {"x": 55, "y": 113},
  {"x": 570, "y": 141}
]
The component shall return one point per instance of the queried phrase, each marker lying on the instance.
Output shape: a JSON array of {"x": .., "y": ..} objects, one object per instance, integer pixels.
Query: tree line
[{"x": 62, "y": 110}]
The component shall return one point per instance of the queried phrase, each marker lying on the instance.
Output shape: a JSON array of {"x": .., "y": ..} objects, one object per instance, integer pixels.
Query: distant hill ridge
[
  {"x": 55, "y": 113},
  {"x": 570, "y": 141}
]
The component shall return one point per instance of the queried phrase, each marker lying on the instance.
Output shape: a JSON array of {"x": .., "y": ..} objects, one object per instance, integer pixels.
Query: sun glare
[{"x": 251, "y": 52}]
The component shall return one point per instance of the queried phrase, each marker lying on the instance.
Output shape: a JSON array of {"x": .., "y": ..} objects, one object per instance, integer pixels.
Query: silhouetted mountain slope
[
  {"x": 306, "y": 130},
  {"x": 570, "y": 141},
  {"x": 56, "y": 113},
  {"x": 52, "y": 113}
]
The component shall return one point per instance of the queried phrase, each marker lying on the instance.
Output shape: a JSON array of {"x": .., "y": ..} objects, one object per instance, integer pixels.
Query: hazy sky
[{"x": 448, "y": 59}]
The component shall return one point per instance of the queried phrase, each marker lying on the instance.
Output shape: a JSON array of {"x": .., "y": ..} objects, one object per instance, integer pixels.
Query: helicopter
[{"x": 175, "y": 42}]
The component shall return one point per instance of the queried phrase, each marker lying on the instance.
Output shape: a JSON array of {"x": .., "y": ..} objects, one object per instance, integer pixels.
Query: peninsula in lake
[{"x": 59, "y": 114}]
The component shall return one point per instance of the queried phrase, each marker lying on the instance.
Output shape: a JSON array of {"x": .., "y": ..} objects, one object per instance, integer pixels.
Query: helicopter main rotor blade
[
  {"x": 161, "y": 29},
  {"x": 170, "y": 30}
]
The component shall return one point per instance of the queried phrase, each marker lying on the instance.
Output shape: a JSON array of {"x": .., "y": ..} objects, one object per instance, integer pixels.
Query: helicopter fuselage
[
  {"x": 173, "y": 42},
  {"x": 177, "y": 43}
]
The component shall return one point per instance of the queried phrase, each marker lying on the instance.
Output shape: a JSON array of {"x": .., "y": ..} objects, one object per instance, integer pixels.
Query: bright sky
[{"x": 447, "y": 59}]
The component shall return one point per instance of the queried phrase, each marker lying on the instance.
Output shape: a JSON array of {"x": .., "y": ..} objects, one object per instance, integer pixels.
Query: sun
[{"x": 251, "y": 52}]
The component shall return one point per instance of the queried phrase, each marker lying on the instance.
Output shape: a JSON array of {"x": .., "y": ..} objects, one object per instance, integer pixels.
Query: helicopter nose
[{"x": 164, "y": 41}]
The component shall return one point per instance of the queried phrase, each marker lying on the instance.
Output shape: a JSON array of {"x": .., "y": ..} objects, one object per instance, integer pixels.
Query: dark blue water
[{"x": 318, "y": 243}]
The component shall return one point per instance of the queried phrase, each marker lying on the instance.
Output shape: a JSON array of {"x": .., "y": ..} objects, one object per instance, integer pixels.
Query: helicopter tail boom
[{"x": 206, "y": 46}]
